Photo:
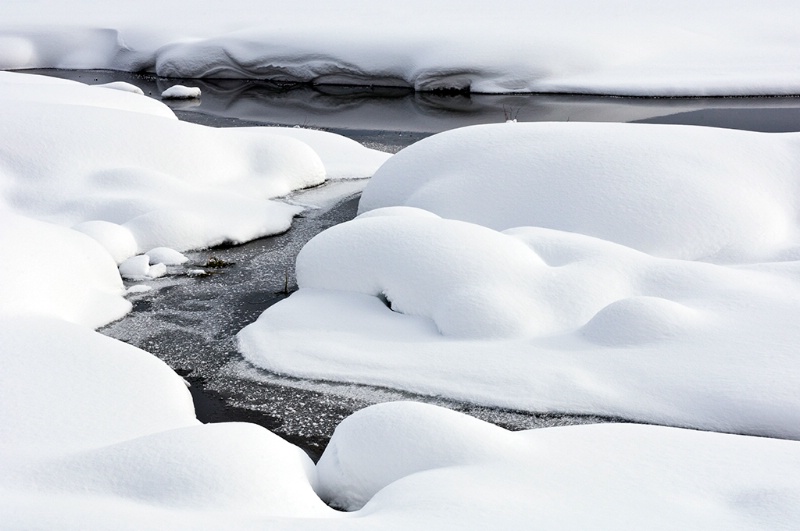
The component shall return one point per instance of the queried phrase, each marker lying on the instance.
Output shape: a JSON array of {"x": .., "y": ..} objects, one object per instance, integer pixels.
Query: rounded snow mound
[
  {"x": 117, "y": 240},
  {"x": 637, "y": 320},
  {"x": 180, "y": 92},
  {"x": 672, "y": 191},
  {"x": 365, "y": 453},
  {"x": 429, "y": 267}
]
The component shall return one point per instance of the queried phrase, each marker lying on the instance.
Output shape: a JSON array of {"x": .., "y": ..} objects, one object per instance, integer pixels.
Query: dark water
[
  {"x": 402, "y": 115},
  {"x": 191, "y": 322}
]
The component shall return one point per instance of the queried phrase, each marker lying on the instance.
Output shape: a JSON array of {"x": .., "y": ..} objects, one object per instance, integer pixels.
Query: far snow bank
[{"x": 602, "y": 47}]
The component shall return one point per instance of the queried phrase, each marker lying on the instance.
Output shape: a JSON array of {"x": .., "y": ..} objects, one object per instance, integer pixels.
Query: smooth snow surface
[
  {"x": 119, "y": 167},
  {"x": 609, "y": 46},
  {"x": 407, "y": 461},
  {"x": 693, "y": 193},
  {"x": 180, "y": 92},
  {"x": 644, "y": 272}
]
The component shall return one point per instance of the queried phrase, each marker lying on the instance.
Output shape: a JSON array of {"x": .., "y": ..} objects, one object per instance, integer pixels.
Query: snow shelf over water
[{"x": 602, "y": 47}]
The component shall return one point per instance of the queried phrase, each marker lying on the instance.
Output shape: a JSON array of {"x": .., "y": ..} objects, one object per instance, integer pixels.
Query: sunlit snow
[{"x": 643, "y": 272}]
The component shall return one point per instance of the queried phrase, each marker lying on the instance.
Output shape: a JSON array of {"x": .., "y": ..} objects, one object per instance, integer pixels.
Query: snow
[
  {"x": 180, "y": 92},
  {"x": 644, "y": 272},
  {"x": 166, "y": 256},
  {"x": 682, "y": 192},
  {"x": 153, "y": 181},
  {"x": 634, "y": 271},
  {"x": 100, "y": 429},
  {"x": 409, "y": 460},
  {"x": 55, "y": 271},
  {"x": 609, "y": 47}
]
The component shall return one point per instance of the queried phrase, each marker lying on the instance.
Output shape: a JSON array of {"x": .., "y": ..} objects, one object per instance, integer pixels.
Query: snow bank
[
  {"x": 103, "y": 429},
  {"x": 611, "y": 47},
  {"x": 105, "y": 162},
  {"x": 673, "y": 191},
  {"x": 55, "y": 271},
  {"x": 410, "y": 461},
  {"x": 572, "y": 318}
]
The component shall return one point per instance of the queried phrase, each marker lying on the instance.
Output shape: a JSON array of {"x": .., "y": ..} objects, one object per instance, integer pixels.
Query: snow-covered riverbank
[
  {"x": 97, "y": 434},
  {"x": 608, "y": 47}
]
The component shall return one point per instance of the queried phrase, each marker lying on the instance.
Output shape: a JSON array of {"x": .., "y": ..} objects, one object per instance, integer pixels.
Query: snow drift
[
  {"x": 119, "y": 167},
  {"x": 653, "y": 276},
  {"x": 607, "y": 47}
]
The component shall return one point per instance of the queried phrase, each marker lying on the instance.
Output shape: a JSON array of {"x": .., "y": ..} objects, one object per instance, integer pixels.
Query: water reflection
[{"x": 401, "y": 109}]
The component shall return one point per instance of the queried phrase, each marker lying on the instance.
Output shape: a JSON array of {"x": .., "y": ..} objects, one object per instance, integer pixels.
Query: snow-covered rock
[{"x": 180, "y": 92}]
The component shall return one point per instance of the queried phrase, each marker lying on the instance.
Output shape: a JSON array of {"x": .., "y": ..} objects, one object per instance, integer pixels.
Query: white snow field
[
  {"x": 671, "y": 48},
  {"x": 640, "y": 271},
  {"x": 120, "y": 167},
  {"x": 674, "y": 301}
]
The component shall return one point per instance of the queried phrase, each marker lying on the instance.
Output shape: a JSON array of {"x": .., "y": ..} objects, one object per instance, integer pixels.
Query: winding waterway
[{"x": 191, "y": 322}]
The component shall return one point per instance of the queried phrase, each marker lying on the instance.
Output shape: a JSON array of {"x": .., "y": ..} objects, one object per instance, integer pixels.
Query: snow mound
[
  {"x": 139, "y": 268},
  {"x": 55, "y": 271},
  {"x": 180, "y": 92},
  {"x": 123, "y": 86},
  {"x": 640, "y": 319},
  {"x": 629, "y": 306},
  {"x": 48, "y": 90},
  {"x": 444, "y": 467},
  {"x": 384, "y": 443},
  {"x": 106, "y": 430},
  {"x": 75, "y": 389},
  {"x": 673, "y": 191},
  {"x": 117, "y": 240},
  {"x": 165, "y": 183},
  {"x": 459, "y": 286},
  {"x": 166, "y": 256},
  {"x": 184, "y": 468}
]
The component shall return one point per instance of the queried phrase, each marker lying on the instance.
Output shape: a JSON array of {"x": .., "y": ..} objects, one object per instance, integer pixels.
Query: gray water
[{"x": 191, "y": 322}]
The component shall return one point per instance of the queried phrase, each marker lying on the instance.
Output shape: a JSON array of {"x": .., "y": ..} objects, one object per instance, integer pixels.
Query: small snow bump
[{"x": 180, "y": 92}]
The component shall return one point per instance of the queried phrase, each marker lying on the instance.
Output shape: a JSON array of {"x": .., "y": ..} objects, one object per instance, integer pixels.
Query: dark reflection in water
[{"x": 393, "y": 109}]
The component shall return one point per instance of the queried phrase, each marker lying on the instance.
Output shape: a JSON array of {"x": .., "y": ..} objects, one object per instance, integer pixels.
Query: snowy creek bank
[{"x": 190, "y": 322}]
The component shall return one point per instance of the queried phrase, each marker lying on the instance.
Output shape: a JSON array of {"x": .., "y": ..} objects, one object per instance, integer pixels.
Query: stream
[{"x": 190, "y": 322}]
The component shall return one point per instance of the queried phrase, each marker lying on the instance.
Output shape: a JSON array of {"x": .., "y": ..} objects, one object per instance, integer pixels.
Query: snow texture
[
  {"x": 119, "y": 167},
  {"x": 180, "y": 92},
  {"x": 607, "y": 47},
  {"x": 643, "y": 272}
]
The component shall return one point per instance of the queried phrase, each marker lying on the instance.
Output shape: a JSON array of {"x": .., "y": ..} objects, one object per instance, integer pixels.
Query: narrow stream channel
[{"x": 191, "y": 322}]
